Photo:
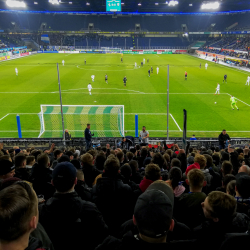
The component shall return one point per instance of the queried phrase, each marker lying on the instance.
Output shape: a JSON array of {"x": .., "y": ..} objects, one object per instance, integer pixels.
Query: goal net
[{"x": 105, "y": 120}]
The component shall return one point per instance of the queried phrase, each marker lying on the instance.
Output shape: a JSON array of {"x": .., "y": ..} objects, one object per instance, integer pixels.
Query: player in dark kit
[
  {"x": 142, "y": 64},
  {"x": 149, "y": 72},
  {"x": 147, "y": 60},
  {"x": 85, "y": 61},
  {"x": 225, "y": 78},
  {"x": 200, "y": 65},
  {"x": 124, "y": 81},
  {"x": 151, "y": 69},
  {"x": 121, "y": 59},
  {"x": 106, "y": 78},
  {"x": 186, "y": 75}
]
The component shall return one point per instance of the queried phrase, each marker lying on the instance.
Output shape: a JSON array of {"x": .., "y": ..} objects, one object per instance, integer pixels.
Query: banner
[
  {"x": 25, "y": 54},
  {"x": 45, "y": 38}
]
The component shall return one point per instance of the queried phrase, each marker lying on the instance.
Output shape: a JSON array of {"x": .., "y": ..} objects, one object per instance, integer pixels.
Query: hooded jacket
[{"x": 72, "y": 223}]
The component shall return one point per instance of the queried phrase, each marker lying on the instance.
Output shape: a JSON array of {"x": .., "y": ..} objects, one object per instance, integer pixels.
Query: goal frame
[{"x": 41, "y": 114}]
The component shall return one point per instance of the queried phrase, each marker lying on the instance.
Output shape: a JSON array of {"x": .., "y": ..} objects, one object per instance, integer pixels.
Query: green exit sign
[{"x": 113, "y": 5}]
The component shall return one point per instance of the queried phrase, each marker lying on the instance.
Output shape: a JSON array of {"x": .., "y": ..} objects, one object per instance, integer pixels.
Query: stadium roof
[{"x": 147, "y": 6}]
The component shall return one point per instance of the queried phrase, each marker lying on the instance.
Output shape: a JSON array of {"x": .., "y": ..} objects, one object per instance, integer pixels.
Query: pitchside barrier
[{"x": 114, "y": 141}]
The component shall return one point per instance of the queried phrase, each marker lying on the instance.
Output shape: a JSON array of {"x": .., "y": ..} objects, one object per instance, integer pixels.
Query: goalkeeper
[{"x": 233, "y": 102}]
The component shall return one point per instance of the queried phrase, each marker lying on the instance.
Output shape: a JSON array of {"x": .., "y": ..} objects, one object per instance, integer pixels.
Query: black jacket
[
  {"x": 41, "y": 178},
  {"x": 90, "y": 173},
  {"x": 180, "y": 231},
  {"x": 188, "y": 209},
  {"x": 36, "y": 244},
  {"x": 72, "y": 223},
  {"x": 136, "y": 177},
  {"x": 133, "y": 242},
  {"x": 213, "y": 233},
  {"x": 115, "y": 201},
  {"x": 88, "y": 135},
  {"x": 67, "y": 136},
  {"x": 83, "y": 190},
  {"x": 23, "y": 174},
  {"x": 222, "y": 138}
]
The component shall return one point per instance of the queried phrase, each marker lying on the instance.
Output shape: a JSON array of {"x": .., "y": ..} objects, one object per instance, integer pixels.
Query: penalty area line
[
  {"x": 176, "y": 122},
  {"x": 4, "y": 117},
  {"x": 239, "y": 100}
]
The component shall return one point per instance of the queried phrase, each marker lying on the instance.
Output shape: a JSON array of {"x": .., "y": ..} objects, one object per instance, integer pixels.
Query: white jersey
[
  {"x": 248, "y": 78},
  {"x": 16, "y": 70},
  {"x": 206, "y": 65},
  {"x": 218, "y": 87},
  {"x": 93, "y": 77},
  {"x": 89, "y": 87},
  {"x": 157, "y": 69},
  {"x": 135, "y": 64},
  {"x": 143, "y": 60},
  {"x": 63, "y": 62}
]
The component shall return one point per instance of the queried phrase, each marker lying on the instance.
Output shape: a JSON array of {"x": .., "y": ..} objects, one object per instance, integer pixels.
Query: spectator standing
[
  {"x": 21, "y": 171},
  {"x": 7, "y": 170},
  {"x": 193, "y": 138},
  {"x": 144, "y": 135},
  {"x": 88, "y": 137},
  {"x": 224, "y": 139},
  {"x": 68, "y": 220}
]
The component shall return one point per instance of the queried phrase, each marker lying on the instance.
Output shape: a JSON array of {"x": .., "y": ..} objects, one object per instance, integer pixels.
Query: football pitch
[{"x": 37, "y": 84}]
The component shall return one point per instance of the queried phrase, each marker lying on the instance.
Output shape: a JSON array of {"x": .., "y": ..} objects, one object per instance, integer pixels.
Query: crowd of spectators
[{"x": 107, "y": 198}]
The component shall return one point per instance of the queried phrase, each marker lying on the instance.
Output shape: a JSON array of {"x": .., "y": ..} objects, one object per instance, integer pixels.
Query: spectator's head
[
  {"x": 175, "y": 163},
  {"x": 244, "y": 169},
  {"x": 76, "y": 164},
  {"x": 129, "y": 156},
  {"x": 153, "y": 216},
  {"x": 7, "y": 169},
  {"x": 111, "y": 167},
  {"x": 201, "y": 160},
  {"x": 219, "y": 206},
  {"x": 43, "y": 160},
  {"x": 88, "y": 125},
  {"x": 143, "y": 128},
  {"x": 18, "y": 215},
  {"x": 58, "y": 153},
  {"x": 30, "y": 160},
  {"x": 144, "y": 152},
  {"x": 166, "y": 157},
  {"x": 20, "y": 161},
  {"x": 196, "y": 180},
  {"x": 64, "y": 177},
  {"x": 227, "y": 168},
  {"x": 243, "y": 187},
  {"x": 190, "y": 160},
  {"x": 134, "y": 166},
  {"x": 126, "y": 171},
  {"x": 99, "y": 161},
  {"x": 153, "y": 172},
  {"x": 230, "y": 188},
  {"x": 224, "y": 156},
  {"x": 120, "y": 156},
  {"x": 70, "y": 154},
  {"x": 175, "y": 176},
  {"x": 86, "y": 160},
  {"x": 216, "y": 159},
  {"x": 63, "y": 158},
  {"x": 158, "y": 159},
  {"x": 209, "y": 160},
  {"x": 224, "y": 131},
  {"x": 226, "y": 179}
]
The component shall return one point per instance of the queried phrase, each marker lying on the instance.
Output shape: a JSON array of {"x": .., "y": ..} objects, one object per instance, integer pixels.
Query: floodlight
[
  {"x": 16, "y": 4},
  {"x": 210, "y": 6},
  {"x": 87, "y": 3},
  {"x": 156, "y": 3},
  {"x": 139, "y": 4},
  {"x": 54, "y": 1},
  {"x": 173, "y": 3}
]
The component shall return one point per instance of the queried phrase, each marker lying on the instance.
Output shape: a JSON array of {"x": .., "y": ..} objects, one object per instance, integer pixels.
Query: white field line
[
  {"x": 107, "y": 88},
  {"x": 104, "y": 70},
  {"x": 139, "y": 93},
  {"x": 4, "y": 117},
  {"x": 239, "y": 100},
  {"x": 175, "y": 122}
]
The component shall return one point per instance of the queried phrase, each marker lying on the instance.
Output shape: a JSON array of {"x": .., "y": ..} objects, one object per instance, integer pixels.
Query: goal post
[{"x": 105, "y": 120}]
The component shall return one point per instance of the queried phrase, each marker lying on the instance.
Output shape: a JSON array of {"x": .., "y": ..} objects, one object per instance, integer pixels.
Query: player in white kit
[
  {"x": 93, "y": 78},
  {"x": 248, "y": 80},
  {"x": 157, "y": 70},
  {"x": 206, "y": 65},
  {"x": 63, "y": 62},
  {"x": 90, "y": 87},
  {"x": 217, "y": 89},
  {"x": 143, "y": 60},
  {"x": 16, "y": 70},
  {"x": 135, "y": 65}
]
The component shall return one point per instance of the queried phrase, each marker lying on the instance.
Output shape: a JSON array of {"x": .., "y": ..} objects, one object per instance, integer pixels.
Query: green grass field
[{"x": 37, "y": 84}]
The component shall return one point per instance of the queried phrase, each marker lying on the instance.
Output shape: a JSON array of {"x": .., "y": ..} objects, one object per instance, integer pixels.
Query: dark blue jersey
[{"x": 225, "y": 76}]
